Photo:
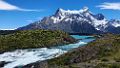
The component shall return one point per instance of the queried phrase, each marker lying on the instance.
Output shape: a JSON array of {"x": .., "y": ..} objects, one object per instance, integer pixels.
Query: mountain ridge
[{"x": 76, "y": 21}]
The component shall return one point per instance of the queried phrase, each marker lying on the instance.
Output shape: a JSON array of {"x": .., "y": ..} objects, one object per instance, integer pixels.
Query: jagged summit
[
  {"x": 60, "y": 10},
  {"x": 82, "y": 15},
  {"x": 67, "y": 15},
  {"x": 81, "y": 21},
  {"x": 115, "y": 23},
  {"x": 85, "y": 9}
]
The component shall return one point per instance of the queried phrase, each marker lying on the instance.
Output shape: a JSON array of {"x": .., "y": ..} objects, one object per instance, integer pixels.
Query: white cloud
[
  {"x": 112, "y": 6},
  {"x": 6, "y": 6}
]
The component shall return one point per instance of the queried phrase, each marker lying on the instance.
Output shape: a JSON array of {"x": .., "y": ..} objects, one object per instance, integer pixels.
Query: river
[{"x": 27, "y": 56}]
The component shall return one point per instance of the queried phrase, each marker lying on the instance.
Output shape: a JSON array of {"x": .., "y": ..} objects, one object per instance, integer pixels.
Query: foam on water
[
  {"x": 27, "y": 56},
  {"x": 23, "y": 57}
]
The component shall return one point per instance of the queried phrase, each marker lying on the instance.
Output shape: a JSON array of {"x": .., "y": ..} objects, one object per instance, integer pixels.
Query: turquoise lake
[{"x": 27, "y": 56}]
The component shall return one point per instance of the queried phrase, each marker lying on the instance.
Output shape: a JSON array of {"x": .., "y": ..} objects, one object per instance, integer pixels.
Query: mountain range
[{"x": 76, "y": 21}]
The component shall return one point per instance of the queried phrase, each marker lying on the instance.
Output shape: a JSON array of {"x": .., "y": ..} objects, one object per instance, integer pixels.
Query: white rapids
[
  {"x": 23, "y": 57},
  {"x": 27, "y": 56}
]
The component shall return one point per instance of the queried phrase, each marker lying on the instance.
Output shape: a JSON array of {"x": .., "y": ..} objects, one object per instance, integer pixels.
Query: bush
[
  {"x": 104, "y": 59},
  {"x": 117, "y": 59},
  {"x": 33, "y": 39}
]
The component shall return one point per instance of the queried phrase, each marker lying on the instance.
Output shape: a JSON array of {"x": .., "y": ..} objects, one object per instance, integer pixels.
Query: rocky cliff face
[{"x": 76, "y": 21}]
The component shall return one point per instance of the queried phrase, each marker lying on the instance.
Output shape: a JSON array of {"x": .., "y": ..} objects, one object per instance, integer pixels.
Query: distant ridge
[{"x": 76, "y": 21}]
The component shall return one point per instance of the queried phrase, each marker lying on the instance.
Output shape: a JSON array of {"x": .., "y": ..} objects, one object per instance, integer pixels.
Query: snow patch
[
  {"x": 116, "y": 24},
  {"x": 85, "y": 9}
]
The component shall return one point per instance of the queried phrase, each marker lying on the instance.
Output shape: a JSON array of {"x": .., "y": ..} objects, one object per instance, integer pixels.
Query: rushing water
[{"x": 27, "y": 56}]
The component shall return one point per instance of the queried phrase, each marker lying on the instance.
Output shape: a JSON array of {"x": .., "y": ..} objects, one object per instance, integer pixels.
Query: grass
[
  {"x": 108, "y": 65},
  {"x": 33, "y": 39},
  {"x": 106, "y": 49}
]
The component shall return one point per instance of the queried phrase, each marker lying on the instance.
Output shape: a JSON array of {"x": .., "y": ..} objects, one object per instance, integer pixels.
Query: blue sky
[{"x": 17, "y": 13}]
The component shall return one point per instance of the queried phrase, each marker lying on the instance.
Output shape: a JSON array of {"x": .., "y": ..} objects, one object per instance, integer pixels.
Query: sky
[{"x": 18, "y": 13}]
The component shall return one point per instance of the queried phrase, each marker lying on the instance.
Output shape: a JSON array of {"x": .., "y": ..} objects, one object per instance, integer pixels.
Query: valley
[
  {"x": 64, "y": 39},
  {"x": 37, "y": 53},
  {"x": 104, "y": 52}
]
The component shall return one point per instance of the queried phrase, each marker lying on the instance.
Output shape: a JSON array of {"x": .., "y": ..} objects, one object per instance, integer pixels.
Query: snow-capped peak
[
  {"x": 61, "y": 14},
  {"x": 60, "y": 10},
  {"x": 79, "y": 15},
  {"x": 115, "y": 23},
  {"x": 85, "y": 9},
  {"x": 81, "y": 20}
]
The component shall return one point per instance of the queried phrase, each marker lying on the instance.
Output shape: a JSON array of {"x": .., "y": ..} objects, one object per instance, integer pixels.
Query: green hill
[{"x": 33, "y": 39}]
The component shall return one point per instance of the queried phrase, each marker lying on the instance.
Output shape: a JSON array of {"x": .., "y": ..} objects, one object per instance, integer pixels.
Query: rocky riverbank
[{"x": 101, "y": 53}]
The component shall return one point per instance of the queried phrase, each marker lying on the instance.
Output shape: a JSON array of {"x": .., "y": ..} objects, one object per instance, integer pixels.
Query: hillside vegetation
[
  {"x": 101, "y": 53},
  {"x": 33, "y": 39},
  {"x": 5, "y": 32},
  {"x": 104, "y": 52}
]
